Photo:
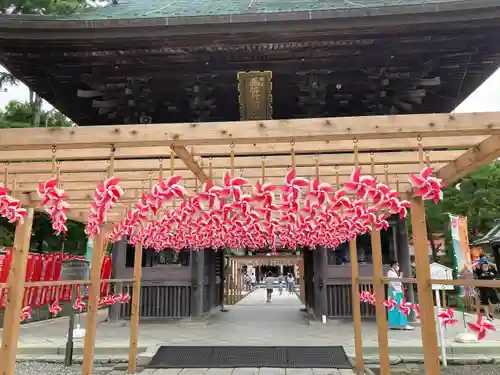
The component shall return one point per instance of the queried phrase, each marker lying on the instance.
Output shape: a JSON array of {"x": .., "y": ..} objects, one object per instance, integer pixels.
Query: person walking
[
  {"x": 281, "y": 282},
  {"x": 269, "y": 281},
  {"x": 396, "y": 318},
  {"x": 290, "y": 283},
  {"x": 487, "y": 295}
]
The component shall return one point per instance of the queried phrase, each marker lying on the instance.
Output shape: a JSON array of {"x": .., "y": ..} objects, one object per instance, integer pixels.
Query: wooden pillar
[
  {"x": 15, "y": 290},
  {"x": 320, "y": 276},
  {"x": 135, "y": 311},
  {"x": 212, "y": 282},
  {"x": 300, "y": 278},
  {"x": 380, "y": 313},
  {"x": 197, "y": 283},
  {"x": 425, "y": 297},
  {"x": 93, "y": 299},
  {"x": 403, "y": 251},
  {"x": 356, "y": 309}
]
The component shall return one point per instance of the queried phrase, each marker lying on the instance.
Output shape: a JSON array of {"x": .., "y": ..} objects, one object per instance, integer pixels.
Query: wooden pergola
[{"x": 389, "y": 147}]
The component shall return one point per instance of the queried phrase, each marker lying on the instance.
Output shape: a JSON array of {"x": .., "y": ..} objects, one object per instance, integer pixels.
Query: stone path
[{"x": 250, "y": 322}]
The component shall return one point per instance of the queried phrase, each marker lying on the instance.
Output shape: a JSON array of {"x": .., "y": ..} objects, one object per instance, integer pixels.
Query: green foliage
[
  {"x": 20, "y": 115},
  {"x": 45, "y": 7},
  {"x": 478, "y": 198}
]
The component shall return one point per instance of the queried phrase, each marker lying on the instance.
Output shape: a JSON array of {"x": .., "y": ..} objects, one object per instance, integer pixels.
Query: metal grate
[{"x": 250, "y": 356}]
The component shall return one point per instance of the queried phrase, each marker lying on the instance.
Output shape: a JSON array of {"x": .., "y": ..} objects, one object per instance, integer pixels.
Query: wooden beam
[
  {"x": 11, "y": 326},
  {"x": 479, "y": 155},
  {"x": 187, "y": 162},
  {"x": 253, "y": 132},
  {"x": 183, "y": 153},
  {"x": 373, "y": 145}
]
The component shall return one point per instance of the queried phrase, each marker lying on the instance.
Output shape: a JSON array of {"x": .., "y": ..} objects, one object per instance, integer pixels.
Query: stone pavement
[{"x": 250, "y": 322}]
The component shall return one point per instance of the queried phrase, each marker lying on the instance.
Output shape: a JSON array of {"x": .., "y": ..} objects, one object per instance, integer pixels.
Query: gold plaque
[{"x": 255, "y": 95}]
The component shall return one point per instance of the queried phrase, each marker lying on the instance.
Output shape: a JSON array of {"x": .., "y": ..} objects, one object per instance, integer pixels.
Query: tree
[
  {"x": 476, "y": 196},
  {"x": 20, "y": 115}
]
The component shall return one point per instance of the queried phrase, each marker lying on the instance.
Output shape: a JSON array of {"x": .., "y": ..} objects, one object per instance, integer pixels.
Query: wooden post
[
  {"x": 424, "y": 287},
  {"x": 135, "y": 311},
  {"x": 15, "y": 285},
  {"x": 93, "y": 299},
  {"x": 380, "y": 313},
  {"x": 356, "y": 308}
]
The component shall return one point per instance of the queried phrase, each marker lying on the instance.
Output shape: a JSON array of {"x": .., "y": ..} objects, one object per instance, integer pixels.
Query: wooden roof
[
  {"x": 338, "y": 62},
  {"x": 453, "y": 145}
]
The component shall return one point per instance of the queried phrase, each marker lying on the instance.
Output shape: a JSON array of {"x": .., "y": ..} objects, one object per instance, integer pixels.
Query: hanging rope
[
  {"x": 53, "y": 161},
  {"x": 317, "y": 167},
  {"x": 292, "y": 153},
  {"x": 111, "y": 166},
  {"x": 427, "y": 159},
  {"x": 160, "y": 170},
  {"x": 397, "y": 183},
  {"x": 210, "y": 170},
  {"x": 172, "y": 167},
  {"x": 14, "y": 184},
  {"x": 231, "y": 157},
  {"x": 386, "y": 172},
  {"x": 263, "y": 171},
  {"x": 420, "y": 151},
  {"x": 356, "y": 156},
  {"x": 337, "y": 177},
  {"x": 6, "y": 174}
]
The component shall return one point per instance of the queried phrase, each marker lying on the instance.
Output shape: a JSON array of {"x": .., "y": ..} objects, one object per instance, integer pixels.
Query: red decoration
[
  {"x": 481, "y": 326},
  {"x": 79, "y": 305},
  {"x": 405, "y": 307},
  {"x": 55, "y": 309},
  {"x": 53, "y": 202},
  {"x": 448, "y": 317},
  {"x": 390, "y": 303},
  {"x": 427, "y": 187},
  {"x": 10, "y": 208},
  {"x": 105, "y": 197},
  {"x": 26, "y": 313}
]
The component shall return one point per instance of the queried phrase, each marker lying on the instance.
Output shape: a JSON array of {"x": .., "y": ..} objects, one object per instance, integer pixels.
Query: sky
[{"x": 485, "y": 99}]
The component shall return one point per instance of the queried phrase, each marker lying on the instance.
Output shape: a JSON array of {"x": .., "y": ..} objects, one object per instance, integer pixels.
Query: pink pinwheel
[
  {"x": 320, "y": 191},
  {"x": 123, "y": 298},
  {"x": 232, "y": 186},
  {"x": 365, "y": 296},
  {"x": 427, "y": 187},
  {"x": 79, "y": 305},
  {"x": 481, "y": 326},
  {"x": 447, "y": 317},
  {"x": 405, "y": 307},
  {"x": 416, "y": 308},
  {"x": 10, "y": 208},
  {"x": 361, "y": 185},
  {"x": 55, "y": 309},
  {"x": 293, "y": 184},
  {"x": 54, "y": 205},
  {"x": 210, "y": 193},
  {"x": 26, "y": 313},
  {"x": 105, "y": 197},
  {"x": 390, "y": 303},
  {"x": 264, "y": 193}
]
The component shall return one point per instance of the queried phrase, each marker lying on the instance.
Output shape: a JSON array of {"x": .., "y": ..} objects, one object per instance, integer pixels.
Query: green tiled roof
[{"x": 133, "y": 9}]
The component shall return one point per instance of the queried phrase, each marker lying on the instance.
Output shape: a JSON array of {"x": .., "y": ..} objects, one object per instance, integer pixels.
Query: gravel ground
[
  {"x": 453, "y": 370},
  {"x": 39, "y": 368}
]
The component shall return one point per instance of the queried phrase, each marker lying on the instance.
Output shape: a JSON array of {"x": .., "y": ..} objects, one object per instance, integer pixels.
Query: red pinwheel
[
  {"x": 26, "y": 313},
  {"x": 416, "y": 308},
  {"x": 320, "y": 191},
  {"x": 55, "y": 309},
  {"x": 79, "y": 305},
  {"x": 123, "y": 298},
  {"x": 447, "y": 317},
  {"x": 54, "y": 205},
  {"x": 390, "y": 303},
  {"x": 10, "y": 208},
  {"x": 481, "y": 326},
  {"x": 210, "y": 193},
  {"x": 405, "y": 307},
  {"x": 427, "y": 187},
  {"x": 232, "y": 187},
  {"x": 264, "y": 193},
  {"x": 293, "y": 184},
  {"x": 361, "y": 185},
  {"x": 105, "y": 197}
]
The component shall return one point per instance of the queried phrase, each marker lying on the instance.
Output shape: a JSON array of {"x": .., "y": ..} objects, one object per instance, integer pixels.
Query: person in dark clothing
[{"x": 487, "y": 295}]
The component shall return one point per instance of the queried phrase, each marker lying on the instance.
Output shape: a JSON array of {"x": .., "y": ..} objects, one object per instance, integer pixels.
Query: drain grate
[{"x": 250, "y": 356}]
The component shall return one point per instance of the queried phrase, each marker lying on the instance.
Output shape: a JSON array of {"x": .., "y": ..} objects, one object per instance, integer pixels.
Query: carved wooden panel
[{"x": 255, "y": 95}]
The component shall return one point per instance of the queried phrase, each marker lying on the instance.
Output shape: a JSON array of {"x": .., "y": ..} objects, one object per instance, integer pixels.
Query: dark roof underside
[{"x": 411, "y": 63}]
